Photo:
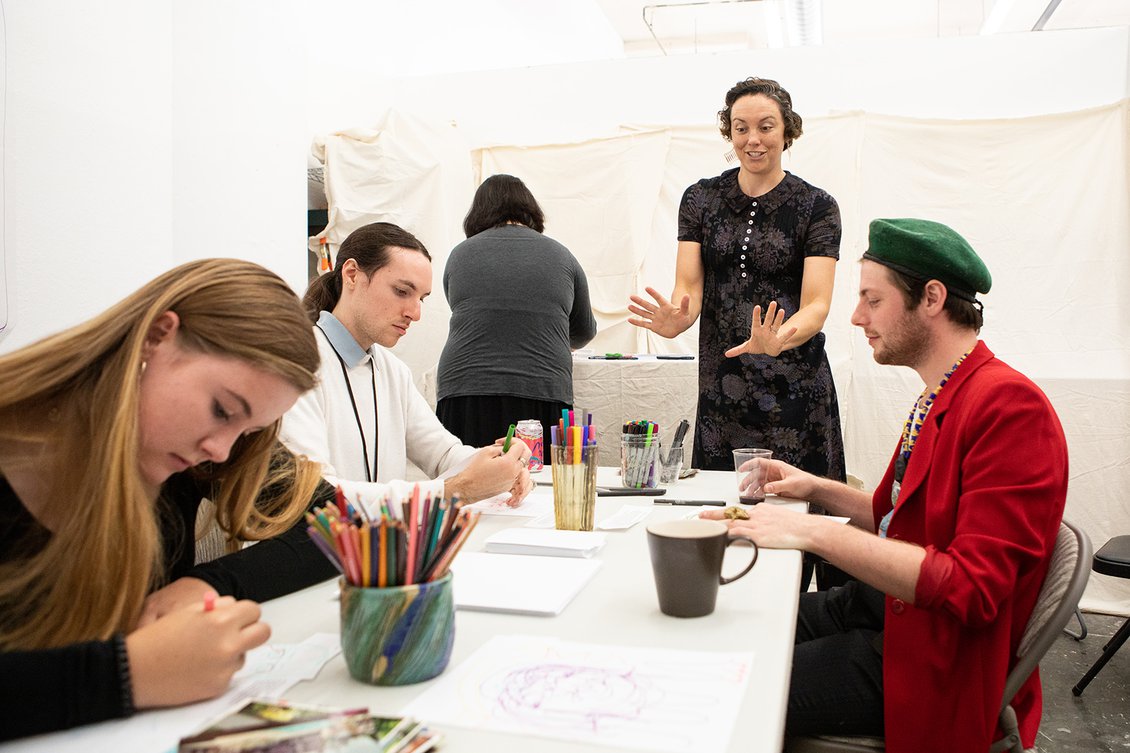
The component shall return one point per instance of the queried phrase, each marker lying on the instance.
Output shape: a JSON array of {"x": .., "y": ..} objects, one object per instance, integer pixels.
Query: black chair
[{"x": 1112, "y": 559}]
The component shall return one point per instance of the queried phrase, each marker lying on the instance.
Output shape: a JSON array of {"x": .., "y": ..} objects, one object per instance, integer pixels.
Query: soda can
[{"x": 529, "y": 431}]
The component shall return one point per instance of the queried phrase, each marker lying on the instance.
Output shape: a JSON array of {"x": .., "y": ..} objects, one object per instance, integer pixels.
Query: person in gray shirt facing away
[{"x": 519, "y": 303}]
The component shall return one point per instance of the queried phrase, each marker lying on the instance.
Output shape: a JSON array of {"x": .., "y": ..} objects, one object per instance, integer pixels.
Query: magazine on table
[{"x": 279, "y": 727}]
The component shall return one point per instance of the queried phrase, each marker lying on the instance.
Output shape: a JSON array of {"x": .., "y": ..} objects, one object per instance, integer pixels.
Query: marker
[
  {"x": 509, "y": 437},
  {"x": 690, "y": 502},
  {"x": 209, "y": 601}
]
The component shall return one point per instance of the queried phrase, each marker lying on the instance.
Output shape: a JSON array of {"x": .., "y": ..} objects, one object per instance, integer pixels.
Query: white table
[
  {"x": 618, "y": 607},
  {"x": 664, "y": 391}
]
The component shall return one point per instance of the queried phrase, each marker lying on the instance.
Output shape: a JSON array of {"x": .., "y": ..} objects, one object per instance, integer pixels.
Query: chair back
[{"x": 1068, "y": 571}]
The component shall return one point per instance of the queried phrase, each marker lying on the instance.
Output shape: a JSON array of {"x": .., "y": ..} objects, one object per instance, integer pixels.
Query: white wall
[
  {"x": 144, "y": 133},
  {"x": 141, "y": 134},
  {"x": 1008, "y": 75}
]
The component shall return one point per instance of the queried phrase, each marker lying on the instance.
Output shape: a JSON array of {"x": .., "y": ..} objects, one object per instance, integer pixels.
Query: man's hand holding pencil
[{"x": 492, "y": 471}]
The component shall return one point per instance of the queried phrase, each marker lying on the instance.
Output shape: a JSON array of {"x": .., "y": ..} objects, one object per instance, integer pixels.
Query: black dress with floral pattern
[{"x": 753, "y": 252}]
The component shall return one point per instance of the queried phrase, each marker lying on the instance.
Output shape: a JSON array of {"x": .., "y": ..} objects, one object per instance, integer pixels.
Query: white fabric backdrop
[{"x": 1043, "y": 199}]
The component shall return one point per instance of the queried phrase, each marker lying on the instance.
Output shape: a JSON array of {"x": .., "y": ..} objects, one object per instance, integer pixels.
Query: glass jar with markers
[{"x": 639, "y": 455}]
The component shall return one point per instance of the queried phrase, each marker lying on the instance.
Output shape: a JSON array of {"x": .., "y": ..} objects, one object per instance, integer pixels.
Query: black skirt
[{"x": 478, "y": 420}]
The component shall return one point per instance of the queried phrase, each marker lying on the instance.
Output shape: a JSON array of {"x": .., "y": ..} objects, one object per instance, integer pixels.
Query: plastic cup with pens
[
  {"x": 670, "y": 464},
  {"x": 574, "y": 460},
  {"x": 671, "y": 456}
]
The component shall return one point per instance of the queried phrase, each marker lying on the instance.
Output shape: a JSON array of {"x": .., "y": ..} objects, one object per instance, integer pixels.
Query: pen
[
  {"x": 509, "y": 437},
  {"x": 690, "y": 502},
  {"x": 628, "y": 491},
  {"x": 209, "y": 601}
]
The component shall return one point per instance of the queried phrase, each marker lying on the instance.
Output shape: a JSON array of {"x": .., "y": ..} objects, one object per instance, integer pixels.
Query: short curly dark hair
[{"x": 775, "y": 92}]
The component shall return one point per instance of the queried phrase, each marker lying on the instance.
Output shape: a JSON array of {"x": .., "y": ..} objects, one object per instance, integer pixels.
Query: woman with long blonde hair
[{"x": 111, "y": 433}]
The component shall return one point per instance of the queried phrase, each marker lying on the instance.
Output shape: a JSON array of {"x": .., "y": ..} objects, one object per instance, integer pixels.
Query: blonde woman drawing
[{"x": 110, "y": 434}]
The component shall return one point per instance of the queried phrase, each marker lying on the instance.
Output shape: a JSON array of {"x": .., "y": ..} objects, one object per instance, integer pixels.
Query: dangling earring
[{"x": 143, "y": 365}]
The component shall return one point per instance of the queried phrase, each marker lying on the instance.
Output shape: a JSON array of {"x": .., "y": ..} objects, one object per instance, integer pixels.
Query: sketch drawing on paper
[{"x": 627, "y": 697}]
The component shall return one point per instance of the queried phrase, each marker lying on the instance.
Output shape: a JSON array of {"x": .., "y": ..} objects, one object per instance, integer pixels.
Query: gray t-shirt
[{"x": 519, "y": 302}]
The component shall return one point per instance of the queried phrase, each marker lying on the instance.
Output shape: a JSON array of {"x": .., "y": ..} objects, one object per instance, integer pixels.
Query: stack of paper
[
  {"x": 551, "y": 542},
  {"x": 518, "y": 583}
]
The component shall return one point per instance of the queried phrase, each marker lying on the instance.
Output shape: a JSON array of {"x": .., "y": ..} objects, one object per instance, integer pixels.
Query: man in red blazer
[{"x": 950, "y": 551}]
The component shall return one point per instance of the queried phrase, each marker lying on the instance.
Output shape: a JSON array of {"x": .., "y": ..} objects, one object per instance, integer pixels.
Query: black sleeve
[
  {"x": 55, "y": 689},
  {"x": 271, "y": 568}
]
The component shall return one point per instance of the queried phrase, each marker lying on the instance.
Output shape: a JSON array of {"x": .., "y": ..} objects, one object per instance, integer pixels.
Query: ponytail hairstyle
[
  {"x": 69, "y": 415},
  {"x": 368, "y": 245}
]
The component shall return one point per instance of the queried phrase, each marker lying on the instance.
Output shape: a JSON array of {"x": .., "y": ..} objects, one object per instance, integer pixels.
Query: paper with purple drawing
[{"x": 621, "y": 696}]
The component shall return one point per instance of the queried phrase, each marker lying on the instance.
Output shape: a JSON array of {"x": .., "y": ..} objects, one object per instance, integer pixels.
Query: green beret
[{"x": 929, "y": 251}]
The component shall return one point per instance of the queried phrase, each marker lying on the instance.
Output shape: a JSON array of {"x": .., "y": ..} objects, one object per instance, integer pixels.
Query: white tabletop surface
[{"x": 618, "y": 607}]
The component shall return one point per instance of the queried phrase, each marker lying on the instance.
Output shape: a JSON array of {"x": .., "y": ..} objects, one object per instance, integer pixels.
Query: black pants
[
  {"x": 837, "y": 676},
  {"x": 478, "y": 420}
]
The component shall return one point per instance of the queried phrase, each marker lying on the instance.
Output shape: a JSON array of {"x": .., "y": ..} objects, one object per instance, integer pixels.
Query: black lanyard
[{"x": 369, "y": 475}]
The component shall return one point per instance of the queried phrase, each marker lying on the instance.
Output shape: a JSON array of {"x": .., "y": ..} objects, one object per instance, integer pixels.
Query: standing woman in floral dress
[{"x": 757, "y": 255}]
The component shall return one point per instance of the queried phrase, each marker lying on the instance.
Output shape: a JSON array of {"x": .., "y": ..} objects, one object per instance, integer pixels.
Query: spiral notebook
[{"x": 519, "y": 583}]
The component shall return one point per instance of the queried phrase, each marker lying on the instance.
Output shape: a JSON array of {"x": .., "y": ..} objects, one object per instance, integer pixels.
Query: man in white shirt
[{"x": 365, "y": 419}]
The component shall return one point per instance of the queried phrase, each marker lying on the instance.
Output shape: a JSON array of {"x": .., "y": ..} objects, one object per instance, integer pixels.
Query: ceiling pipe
[
  {"x": 1048, "y": 11},
  {"x": 653, "y": 8}
]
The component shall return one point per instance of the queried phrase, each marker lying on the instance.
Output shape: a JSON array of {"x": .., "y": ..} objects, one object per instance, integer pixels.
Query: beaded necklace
[{"x": 910, "y": 430}]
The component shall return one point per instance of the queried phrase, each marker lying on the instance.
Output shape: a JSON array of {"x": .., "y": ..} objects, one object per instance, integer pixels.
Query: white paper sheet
[
  {"x": 624, "y": 518},
  {"x": 519, "y": 583},
  {"x": 537, "y": 503},
  {"x": 622, "y": 696},
  {"x": 545, "y": 543}
]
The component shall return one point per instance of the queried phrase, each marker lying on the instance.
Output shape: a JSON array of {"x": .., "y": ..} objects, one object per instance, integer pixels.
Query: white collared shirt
[{"x": 322, "y": 425}]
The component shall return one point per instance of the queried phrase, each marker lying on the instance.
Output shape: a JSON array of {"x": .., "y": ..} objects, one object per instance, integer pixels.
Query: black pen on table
[
  {"x": 629, "y": 491},
  {"x": 690, "y": 502}
]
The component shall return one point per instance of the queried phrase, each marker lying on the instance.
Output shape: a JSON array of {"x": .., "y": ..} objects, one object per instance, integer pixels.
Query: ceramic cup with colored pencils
[
  {"x": 397, "y": 635},
  {"x": 397, "y": 607}
]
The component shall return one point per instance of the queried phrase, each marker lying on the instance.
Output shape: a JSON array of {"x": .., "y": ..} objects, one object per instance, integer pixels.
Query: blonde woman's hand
[
  {"x": 191, "y": 654},
  {"x": 181, "y": 593},
  {"x": 765, "y": 335},
  {"x": 661, "y": 316}
]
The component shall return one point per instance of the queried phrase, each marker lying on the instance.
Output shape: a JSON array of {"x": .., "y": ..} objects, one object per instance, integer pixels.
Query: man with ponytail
[{"x": 365, "y": 418}]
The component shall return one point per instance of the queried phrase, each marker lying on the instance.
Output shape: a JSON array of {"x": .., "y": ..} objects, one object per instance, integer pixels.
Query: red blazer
[{"x": 984, "y": 493}]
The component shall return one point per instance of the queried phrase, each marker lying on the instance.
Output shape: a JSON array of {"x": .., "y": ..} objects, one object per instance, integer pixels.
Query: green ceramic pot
[{"x": 398, "y": 635}]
